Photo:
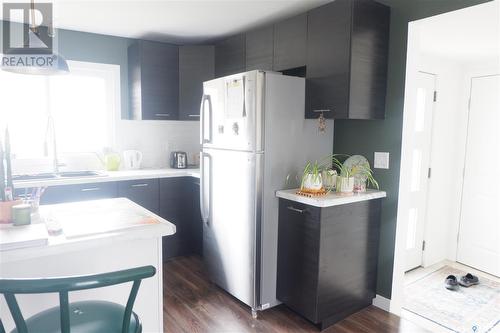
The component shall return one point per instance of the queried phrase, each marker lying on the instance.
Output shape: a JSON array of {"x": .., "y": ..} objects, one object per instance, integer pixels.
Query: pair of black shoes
[{"x": 452, "y": 283}]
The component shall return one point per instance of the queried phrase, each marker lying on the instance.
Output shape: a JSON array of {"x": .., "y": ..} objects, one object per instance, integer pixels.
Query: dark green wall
[
  {"x": 83, "y": 46},
  {"x": 365, "y": 137}
]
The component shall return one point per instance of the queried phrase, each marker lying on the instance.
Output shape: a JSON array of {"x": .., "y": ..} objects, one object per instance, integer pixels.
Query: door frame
[{"x": 397, "y": 289}]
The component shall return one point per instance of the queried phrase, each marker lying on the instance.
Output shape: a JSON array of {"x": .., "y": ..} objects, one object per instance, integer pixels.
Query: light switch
[{"x": 381, "y": 160}]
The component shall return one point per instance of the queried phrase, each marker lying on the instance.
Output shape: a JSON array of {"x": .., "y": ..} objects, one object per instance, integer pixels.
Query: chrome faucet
[{"x": 51, "y": 128}]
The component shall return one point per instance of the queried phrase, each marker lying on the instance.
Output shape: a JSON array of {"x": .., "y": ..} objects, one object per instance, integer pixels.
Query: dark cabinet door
[
  {"x": 154, "y": 80},
  {"x": 143, "y": 192},
  {"x": 328, "y": 60},
  {"x": 79, "y": 192},
  {"x": 196, "y": 65},
  {"x": 179, "y": 204},
  {"x": 230, "y": 56},
  {"x": 297, "y": 265},
  {"x": 369, "y": 60},
  {"x": 290, "y": 43},
  {"x": 347, "y": 58},
  {"x": 259, "y": 49}
]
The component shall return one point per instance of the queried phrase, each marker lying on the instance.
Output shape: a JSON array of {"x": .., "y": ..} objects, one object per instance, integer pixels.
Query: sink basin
[
  {"x": 34, "y": 176},
  {"x": 66, "y": 174},
  {"x": 77, "y": 174}
]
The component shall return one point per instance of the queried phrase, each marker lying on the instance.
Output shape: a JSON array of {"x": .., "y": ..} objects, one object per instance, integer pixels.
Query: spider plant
[
  {"x": 313, "y": 169},
  {"x": 366, "y": 172}
]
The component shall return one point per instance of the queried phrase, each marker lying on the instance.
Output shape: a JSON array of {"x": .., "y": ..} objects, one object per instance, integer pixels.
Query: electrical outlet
[{"x": 381, "y": 160}]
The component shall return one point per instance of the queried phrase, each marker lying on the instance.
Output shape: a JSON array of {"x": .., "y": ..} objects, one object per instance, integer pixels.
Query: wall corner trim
[{"x": 382, "y": 303}]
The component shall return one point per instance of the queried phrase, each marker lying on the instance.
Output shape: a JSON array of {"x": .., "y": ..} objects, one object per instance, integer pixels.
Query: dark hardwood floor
[{"x": 192, "y": 304}]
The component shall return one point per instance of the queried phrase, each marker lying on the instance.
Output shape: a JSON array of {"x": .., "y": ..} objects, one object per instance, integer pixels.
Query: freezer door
[
  {"x": 231, "y": 112},
  {"x": 229, "y": 206}
]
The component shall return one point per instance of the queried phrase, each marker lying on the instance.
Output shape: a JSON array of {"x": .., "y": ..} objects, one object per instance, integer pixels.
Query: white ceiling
[
  {"x": 174, "y": 20},
  {"x": 464, "y": 35}
]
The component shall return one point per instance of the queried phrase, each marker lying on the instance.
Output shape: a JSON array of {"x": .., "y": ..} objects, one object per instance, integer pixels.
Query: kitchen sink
[
  {"x": 65, "y": 174},
  {"x": 77, "y": 174},
  {"x": 34, "y": 176}
]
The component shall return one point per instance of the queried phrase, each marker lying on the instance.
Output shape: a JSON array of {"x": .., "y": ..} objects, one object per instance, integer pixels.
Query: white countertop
[
  {"x": 105, "y": 225},
  {"x": 110, "y": 176},
  {"x": 331, "y": 199}
]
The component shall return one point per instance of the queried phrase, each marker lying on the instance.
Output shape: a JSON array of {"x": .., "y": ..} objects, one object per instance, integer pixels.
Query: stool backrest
[{"x": 63, "y": 285}]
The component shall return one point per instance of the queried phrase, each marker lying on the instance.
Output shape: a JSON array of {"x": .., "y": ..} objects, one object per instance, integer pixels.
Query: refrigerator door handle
[
  {"x": 206, "y": 98},
  {"x": 206, "y": 175}
]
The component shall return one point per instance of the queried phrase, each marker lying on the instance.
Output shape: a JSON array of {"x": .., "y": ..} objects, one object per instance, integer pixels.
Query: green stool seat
[
  {"x": 85, "y": 317},
  {"x": 79, "y": 317}
]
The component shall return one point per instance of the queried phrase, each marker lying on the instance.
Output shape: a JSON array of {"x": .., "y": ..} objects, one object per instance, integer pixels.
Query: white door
[
  {"x": 421, "y": 125},
  {"x": 479, "y": 237}
]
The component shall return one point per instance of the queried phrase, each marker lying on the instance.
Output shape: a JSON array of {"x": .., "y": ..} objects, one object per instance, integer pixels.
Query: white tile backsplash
[{"x": 156, "y": 139}]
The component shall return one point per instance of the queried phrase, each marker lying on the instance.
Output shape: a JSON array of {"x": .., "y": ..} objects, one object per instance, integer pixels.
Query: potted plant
[
  {"x": 362, "y": 176},
  {"x": 311, "y": 178},
  {"x": 345, "y": 180},
  {"x": 329, "y": 177}
]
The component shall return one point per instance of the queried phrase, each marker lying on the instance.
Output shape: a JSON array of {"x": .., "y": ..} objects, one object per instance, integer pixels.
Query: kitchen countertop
[
  {"x": 101, "y": 215},
  {"x": 331, "y": 199},
  {"x": 110, "y": 176}
]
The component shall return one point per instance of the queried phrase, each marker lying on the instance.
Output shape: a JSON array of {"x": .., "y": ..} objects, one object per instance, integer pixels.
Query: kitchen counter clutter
[
  {"x": 110, "y": 176},
  {"x": 331, "y": 199},
  {"x": 115, "y": 234}
]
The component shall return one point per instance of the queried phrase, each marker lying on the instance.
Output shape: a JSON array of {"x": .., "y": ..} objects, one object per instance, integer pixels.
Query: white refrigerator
[{"x": 254, "y": 136}]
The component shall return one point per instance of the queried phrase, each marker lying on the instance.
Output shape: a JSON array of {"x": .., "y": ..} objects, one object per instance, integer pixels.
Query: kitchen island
[{"x": 97, "y": 236}]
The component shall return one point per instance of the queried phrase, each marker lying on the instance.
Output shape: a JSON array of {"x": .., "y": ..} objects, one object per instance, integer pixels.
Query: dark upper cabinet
[
  {"x": 347, "y": 55},
  {"x": 290, "y": 43},
  {"x": 144, "y": 192},
  {"x": 259, "y": 49},
  {"x": 153, "y": 80},
  {"x": 230, "y": 56},
  {"x": 196, "y": 65}
]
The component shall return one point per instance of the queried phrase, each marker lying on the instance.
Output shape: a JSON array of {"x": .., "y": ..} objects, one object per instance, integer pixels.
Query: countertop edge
[
  {"x": 110, "y": 177},
  {"x": 332, "y": 199}
]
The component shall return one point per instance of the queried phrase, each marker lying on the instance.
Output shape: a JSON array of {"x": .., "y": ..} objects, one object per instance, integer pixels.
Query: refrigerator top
[{"x": 232, "y": 112}]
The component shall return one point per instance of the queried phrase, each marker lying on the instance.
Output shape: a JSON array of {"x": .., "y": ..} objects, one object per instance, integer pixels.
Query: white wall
[{"x": 448, "y": 153}]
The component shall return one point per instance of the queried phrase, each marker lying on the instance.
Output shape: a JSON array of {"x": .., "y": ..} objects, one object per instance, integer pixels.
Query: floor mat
[{"x": 475, "y": 309}]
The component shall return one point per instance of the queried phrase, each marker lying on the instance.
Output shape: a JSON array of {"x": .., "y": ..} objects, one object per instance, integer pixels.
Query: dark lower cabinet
[
  {"x": 230, "y": 56},
  {"x": 179, "y": 204},
  {"x": 327, "y": 259},
  {"x": 78, "y": 192},
  {"x": 144, "y": 192},
  {"x": 347, "y": 55}
]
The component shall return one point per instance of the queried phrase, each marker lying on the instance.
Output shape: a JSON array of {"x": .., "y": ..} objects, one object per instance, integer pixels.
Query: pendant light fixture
[{"x": 58, "y": 65}]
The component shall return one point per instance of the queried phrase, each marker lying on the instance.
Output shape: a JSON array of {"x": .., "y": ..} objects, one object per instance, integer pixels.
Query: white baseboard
[{"x": 382, "y": 303}]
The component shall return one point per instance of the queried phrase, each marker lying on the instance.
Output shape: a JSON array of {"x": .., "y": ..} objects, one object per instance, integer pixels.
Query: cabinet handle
[
  {"x": 194, "y": 115},
  {"x": 90, "y": 189},
  {"x": 139, "y": 185},
  {"x": 325, "y": 110},
  {"x": 162, "y": 114},
  {"x": 296, "y": 209}
]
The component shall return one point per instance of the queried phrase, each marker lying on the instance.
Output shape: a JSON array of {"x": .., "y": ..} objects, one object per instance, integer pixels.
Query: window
[{"x": 83, "y": 105}]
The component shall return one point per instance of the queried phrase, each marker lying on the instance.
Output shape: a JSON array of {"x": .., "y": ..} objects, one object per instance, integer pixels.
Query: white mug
[{"x": 132, "y": 159}]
